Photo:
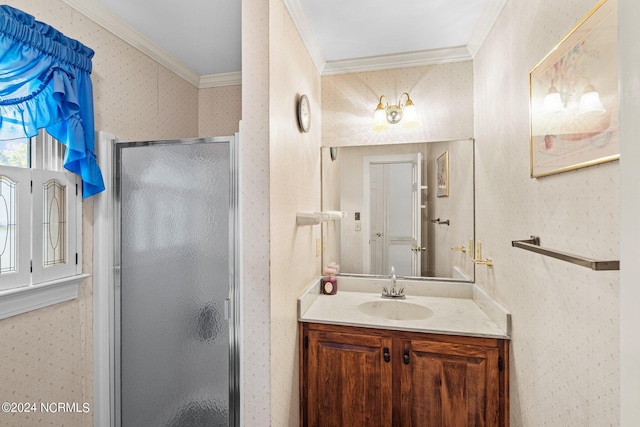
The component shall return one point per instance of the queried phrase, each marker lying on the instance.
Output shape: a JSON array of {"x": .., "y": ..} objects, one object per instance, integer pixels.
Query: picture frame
[
  {"x": 443, "y": 174},
  {"x": 574, "y": 97}
]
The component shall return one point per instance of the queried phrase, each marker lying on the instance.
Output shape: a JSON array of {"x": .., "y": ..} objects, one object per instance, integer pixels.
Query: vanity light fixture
[{"x": 386, "y": 114}]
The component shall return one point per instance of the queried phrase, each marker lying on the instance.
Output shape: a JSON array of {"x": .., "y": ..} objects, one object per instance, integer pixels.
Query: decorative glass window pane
[
  {"x": 15, "y": 152},
  {"x": 47, "y": 153},
  {"x": 7, "y": 225},
  {"x": 54, "y": 225}
]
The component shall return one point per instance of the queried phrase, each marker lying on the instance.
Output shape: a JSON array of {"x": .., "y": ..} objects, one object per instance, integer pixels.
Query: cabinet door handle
[
  {"x": 405, "y": 356},
  {"x": 386, "y": 354}
]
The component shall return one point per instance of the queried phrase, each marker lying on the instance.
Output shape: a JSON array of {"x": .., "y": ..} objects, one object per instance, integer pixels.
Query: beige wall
[
  {"x": 281, "y": 172},
  {"x": 281, "y": 176},
  {"x": 442, "y": 94},
  {"x": 135, "y": 98},
  {"x": 565, "y": 342},
  {"x": 295, "y": 186},
  {"x": 629, "y": 34},
  {"x": 565, "y": 346},
  {"x": 219, "y": 110},
  {"x": 47, "y": 355},
  {"x": 255, "y": 211}
]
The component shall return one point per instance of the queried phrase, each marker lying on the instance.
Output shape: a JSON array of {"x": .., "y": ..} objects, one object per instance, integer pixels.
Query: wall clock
[{"x": 304, "y": 113}]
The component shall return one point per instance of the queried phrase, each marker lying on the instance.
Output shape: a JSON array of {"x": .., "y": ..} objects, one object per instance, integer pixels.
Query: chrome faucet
[{"x": 393, "y": 292}]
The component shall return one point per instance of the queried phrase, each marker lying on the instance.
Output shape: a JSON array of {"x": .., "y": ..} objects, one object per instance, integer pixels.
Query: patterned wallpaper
[
  {"x": 294, "y": 159},
  {"x": 565, "y": 342},
  {"x": 47, "y": 355},
  {"x": 219, "y": 110},
  {"x": 254, "y": 158},
  {"x": 135, "y": 98},
  {"x": 442, "y": 94}
]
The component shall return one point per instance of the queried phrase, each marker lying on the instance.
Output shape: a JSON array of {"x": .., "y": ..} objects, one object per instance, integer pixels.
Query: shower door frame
[{"x": 107, "y": 278}]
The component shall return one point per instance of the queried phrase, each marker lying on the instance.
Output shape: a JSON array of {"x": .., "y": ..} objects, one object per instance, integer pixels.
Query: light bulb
[
  {"x": 410, "y": 116},
  {"x": 380, "y": 120}
]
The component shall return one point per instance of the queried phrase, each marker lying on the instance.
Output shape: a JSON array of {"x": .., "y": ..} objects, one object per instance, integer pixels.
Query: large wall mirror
[{"x": 410, "y": 206}]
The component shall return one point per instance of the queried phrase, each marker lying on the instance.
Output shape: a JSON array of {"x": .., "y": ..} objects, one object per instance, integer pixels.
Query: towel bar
[
  {"x": 533, "y": 245},
  {"x": 437, "y": 221}
]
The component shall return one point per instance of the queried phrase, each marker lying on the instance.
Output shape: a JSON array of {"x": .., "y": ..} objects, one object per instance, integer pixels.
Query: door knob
[
  {"x": 379, "y": 234},
  {"x": 418, "y": 249}
]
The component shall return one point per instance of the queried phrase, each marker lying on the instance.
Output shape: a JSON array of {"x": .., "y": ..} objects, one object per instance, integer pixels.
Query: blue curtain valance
[{"x": 45, "y": 83}]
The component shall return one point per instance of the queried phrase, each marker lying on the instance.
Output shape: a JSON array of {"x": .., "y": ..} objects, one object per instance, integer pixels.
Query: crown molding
[
  {"x": 411, "y": 59},
  {"x": 222, "y": 79},
  {"x": 487, "y": 19},
  {"x": 301, "y": 22},
  {"x": 400, "y": 60},
  {"x": 105, "y": 18}
]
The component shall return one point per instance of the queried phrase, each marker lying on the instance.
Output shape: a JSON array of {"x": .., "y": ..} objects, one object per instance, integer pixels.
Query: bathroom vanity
[{"x": 440, "y": 357}]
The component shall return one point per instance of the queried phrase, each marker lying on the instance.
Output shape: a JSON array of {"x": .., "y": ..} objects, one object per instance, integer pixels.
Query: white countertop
[{"x": 458, "y": 308}]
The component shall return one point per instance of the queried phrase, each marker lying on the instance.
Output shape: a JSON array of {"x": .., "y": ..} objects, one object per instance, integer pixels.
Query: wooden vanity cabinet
[
  {"x": 349, "y": 379},
  {"x": 353, "y": 376}
]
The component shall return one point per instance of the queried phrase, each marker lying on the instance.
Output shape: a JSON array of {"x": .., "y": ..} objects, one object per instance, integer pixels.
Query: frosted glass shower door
[{"x": 175, "y": 275}]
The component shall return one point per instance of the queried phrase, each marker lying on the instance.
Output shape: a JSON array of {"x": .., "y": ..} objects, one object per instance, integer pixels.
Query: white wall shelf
[
  {"x": 336, "y": 215},
  {"x": 311, "y": 218},
  {"x": 314, "y": 218}
]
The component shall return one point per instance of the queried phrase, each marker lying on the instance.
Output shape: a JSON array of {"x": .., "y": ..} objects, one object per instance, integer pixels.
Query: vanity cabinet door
[
  {"x": 348, "y": 380},
  {"x": 447, "y": 384}
]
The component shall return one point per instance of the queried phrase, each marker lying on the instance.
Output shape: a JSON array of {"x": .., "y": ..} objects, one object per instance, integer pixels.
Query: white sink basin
[{"x": 395, "y": 310}]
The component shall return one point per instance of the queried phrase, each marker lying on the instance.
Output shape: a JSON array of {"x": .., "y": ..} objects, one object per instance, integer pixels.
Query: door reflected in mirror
[
  {"x": 391, "y": 215},
  {"x": 394, "y": 216}
]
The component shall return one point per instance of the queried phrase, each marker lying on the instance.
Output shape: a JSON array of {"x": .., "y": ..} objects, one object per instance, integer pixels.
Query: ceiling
[{"x": 201, "y": 39}]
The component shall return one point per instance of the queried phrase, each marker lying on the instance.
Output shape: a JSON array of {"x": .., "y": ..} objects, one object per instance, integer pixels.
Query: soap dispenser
[{"x": 329, "y": 280}]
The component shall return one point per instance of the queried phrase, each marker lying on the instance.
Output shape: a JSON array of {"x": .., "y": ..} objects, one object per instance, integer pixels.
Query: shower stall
[{"x": 175, "y": 297}]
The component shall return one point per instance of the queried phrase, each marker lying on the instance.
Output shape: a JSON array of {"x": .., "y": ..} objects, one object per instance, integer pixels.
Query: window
[
  {"x": 46, "y": 84},
  {"x": 40, "y": 225}
]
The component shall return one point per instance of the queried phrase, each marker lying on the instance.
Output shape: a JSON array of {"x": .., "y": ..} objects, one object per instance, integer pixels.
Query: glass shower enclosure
[{"x": 176, "y": 344}]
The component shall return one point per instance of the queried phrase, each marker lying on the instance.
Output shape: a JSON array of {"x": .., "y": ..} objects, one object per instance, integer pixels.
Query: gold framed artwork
[
  {"x": 443, "y": 174},
  {"x": 574, "y": 97}
]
